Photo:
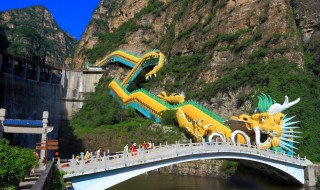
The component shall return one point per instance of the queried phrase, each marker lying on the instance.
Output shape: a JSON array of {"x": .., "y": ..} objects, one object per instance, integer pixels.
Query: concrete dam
[{"x": 29, "y": 89}]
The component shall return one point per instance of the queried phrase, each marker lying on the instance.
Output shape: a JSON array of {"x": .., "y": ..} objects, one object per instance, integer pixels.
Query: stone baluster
[
  {"x": 104, "y": 160},
  {"x": 160, "y": 150},
  {"x": 73, "y": 163},
  {"x": 176, "y": 147},
  {"x": 45, "y": 116},
  {"x": 124, "y": 156},
  {"x": 82, "y": 163},
  {"x": 143, "y": 155}
]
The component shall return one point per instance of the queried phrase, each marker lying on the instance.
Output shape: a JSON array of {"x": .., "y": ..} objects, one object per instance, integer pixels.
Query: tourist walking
[
  {"x": 134, "y": 149},
  {"x": 144, "y": 145},
  {"x": 98, "y": 153},
  {"x": 150, "y": 145},
  {"x": 87, "y": 156}
]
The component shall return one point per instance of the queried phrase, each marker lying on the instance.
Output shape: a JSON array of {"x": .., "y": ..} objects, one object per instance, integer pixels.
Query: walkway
[{"x": 112, "y": 169}]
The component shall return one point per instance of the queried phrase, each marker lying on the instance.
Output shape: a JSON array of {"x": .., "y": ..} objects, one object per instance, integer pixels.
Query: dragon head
[{"x": 269, "y": 128}]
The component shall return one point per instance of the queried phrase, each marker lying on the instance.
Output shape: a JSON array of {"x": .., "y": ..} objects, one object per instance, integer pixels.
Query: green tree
[{"x": 14, "y": 163}]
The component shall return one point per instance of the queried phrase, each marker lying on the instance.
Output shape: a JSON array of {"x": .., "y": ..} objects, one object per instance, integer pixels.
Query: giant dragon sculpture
[
  {"x": 268, "y": 127},
  {"x": 268, "y": 124}
]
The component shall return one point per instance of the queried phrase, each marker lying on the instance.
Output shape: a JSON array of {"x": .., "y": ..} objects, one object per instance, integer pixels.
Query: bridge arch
[
  {"x": 281, "y": 165},
  {"x": 103, "y": 180}
]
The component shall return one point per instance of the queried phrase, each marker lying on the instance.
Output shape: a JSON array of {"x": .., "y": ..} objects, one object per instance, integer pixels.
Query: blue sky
[{"x": 71, "y": 15}]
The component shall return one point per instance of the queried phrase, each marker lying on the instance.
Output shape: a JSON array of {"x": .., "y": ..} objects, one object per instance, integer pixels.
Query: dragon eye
[{"x": 262, "y": 120}]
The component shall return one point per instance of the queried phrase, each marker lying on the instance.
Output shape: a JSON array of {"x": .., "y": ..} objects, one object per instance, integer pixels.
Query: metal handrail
[{"x": 44, "y": 181}]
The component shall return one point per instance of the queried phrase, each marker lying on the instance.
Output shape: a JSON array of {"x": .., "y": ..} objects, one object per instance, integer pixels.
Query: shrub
[
  {"x": 14, "y": 162},
  {"x": 169, "y": 117}
]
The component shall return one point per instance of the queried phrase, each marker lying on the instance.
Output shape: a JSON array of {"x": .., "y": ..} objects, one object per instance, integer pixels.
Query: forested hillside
[{"x": 32, "y": 35}]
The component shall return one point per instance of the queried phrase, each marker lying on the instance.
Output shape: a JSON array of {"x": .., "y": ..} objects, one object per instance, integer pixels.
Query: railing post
[
  {"x": 203, "y": 144},
  {"x": 176, "y": 147},
  {"x": 82, "y": 163},
  {"x": 143, "y": 155},
  {"x": 104, "y": 160},
  {"x": 190, "y": 145},
  {"x": 58, "y": 162},
  {"x": 124, "y": 157},
  {"x": 108, "y": 155},
  {"x": 72, "y": 161},
  {"x": 160, "y": 150}
]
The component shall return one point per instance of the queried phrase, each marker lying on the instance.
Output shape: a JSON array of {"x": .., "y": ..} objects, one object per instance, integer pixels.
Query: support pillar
[
  {"x": 310, "y": 176},
  {"x": 45, "y": 117},
  {"x": 50, "y": 79},
  {"x": 38, "y": 73},
  {"x": 11, "y": 66},
  {"x": 2, "y": 118},
  {"x": 1, "y": 57},
  {"x": 25, "y": 70}
]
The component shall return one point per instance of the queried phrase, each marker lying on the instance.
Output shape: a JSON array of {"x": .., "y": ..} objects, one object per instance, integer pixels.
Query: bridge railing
[{"x": 165, "y": 151}]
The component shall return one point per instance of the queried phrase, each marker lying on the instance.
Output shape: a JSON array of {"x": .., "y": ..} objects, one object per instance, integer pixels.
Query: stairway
[{"x": 30, "y": 180}]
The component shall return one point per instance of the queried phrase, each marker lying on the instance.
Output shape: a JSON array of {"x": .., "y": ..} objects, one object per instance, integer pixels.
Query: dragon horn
[
  {"x": 278, "y": 108},
  {"x": 286, "y": 104}
]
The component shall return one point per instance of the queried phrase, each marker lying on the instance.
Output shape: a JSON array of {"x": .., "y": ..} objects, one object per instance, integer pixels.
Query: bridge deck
[{"x": 121, "y": 160}]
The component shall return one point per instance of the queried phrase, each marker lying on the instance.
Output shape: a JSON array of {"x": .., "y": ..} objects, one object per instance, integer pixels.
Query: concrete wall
[
  {"x": 27, "y": 99},
  {"x": 77, "y": 86}
]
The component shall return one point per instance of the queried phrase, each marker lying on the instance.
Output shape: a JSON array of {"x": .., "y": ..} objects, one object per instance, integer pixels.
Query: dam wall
[
  {"x": 77, "y": 87},
  {"x": 27, "y": 91}
]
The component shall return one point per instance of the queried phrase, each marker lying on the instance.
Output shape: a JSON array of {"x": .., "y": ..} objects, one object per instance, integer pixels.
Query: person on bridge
[
  {"x": 98, "y": 153},
  {"x": 78, "y": 159},
  {"x": 134, "y": 149},
  {"x": 56, "y": 156},
  {"x": 144, "y": 145},
  {"x": 150, "y": 145},
  {"x": 87, "y": 156}
]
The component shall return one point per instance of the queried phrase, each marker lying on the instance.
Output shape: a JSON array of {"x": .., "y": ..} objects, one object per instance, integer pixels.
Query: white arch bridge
[{"x": 106, "y": 171}]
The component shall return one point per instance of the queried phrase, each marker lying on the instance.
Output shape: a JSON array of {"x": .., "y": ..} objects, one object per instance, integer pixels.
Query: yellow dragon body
[{"x": 268, "y": 128}]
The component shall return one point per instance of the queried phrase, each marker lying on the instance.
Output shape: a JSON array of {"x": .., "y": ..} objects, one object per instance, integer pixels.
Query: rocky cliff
[
  {"x": 34, "y": 36},
  {"x": 227, "y": 51},
  {"x": 208, "y": 35},
  {"x": 308, "y": 19}
]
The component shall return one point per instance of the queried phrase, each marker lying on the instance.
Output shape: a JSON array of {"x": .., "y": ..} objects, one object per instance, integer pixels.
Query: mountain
[
  {"x": 32, "y": 35},
  {"x": 226, "y": 51}
]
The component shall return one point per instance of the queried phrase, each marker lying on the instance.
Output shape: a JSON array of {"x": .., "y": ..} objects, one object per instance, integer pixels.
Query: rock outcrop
[
  {"x": 222, "y": 33},
  {"x": 33, "y": 36},
  {"x": 222, "y": 53}
]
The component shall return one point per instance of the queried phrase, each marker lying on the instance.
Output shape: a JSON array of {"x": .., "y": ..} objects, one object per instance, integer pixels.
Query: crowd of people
[
  {"x": 97, "y": 154},
  {"x": 135, "y": 148}
]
